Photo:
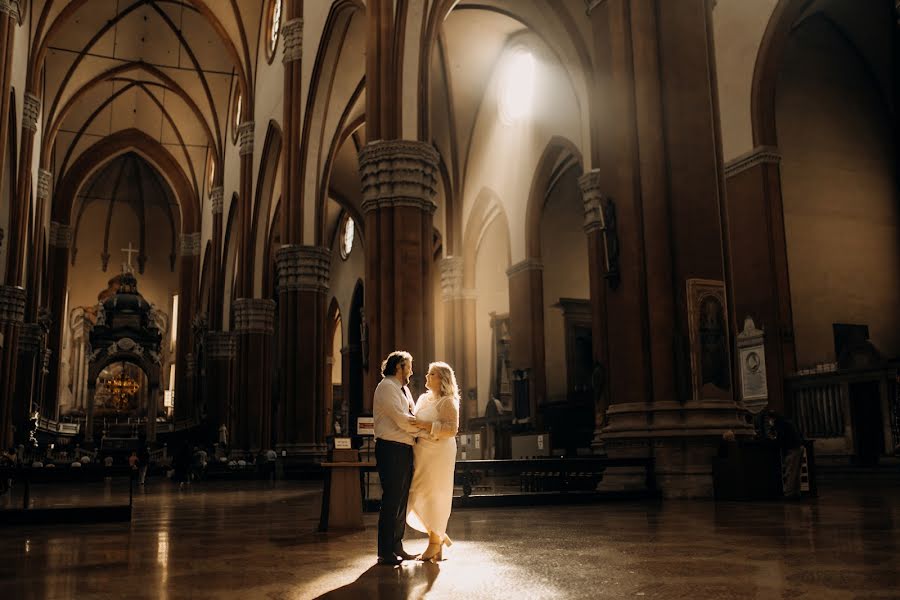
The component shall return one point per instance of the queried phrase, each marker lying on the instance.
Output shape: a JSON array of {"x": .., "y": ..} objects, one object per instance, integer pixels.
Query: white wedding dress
[{"x": 431, "y": 491}]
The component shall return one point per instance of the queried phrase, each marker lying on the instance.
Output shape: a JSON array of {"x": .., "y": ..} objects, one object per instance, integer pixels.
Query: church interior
[{"x": 641, "y": 232}]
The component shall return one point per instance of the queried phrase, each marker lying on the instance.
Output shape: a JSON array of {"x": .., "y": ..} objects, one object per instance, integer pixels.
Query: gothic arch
[
  {"x": 559, "y": 156},
  {"x": 765, "y": 71},
  {"x": 269, "y": 166},
  {"x": 112, "y": 146}
]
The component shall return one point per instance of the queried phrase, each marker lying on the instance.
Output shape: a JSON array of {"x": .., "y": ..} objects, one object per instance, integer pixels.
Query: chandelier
[{"x": 121, "y": 388}]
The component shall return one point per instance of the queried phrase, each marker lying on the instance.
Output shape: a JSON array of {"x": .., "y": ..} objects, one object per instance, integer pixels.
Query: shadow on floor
[{"x": 411, "y": 580}]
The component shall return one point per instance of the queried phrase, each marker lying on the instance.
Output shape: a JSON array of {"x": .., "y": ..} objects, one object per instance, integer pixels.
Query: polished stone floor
[{"x": 252, "y": 540}]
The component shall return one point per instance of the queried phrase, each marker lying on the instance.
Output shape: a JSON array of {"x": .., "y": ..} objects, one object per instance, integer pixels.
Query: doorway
[{"x": 868, "y": 425}]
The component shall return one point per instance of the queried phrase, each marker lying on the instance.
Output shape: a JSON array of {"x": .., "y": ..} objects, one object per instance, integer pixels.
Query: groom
[{"x": 394, "y": 440}]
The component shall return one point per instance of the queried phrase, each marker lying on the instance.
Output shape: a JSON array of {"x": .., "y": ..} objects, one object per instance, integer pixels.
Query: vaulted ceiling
[{"x": 168, "y": 68}]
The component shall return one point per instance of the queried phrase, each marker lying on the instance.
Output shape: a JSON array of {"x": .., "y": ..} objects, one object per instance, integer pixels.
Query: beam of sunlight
[{"x": 517, "y": 86}]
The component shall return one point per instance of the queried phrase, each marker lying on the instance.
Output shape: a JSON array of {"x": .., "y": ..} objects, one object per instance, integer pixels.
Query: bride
[{"x": 431, "y": 491}]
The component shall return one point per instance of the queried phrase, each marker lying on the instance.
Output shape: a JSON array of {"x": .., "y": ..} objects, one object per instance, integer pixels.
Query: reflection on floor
[{"x": 252, "y": 540}]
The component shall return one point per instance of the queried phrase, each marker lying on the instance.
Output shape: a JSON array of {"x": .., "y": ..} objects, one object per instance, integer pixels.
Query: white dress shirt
[{"x": 392, "y": 408}]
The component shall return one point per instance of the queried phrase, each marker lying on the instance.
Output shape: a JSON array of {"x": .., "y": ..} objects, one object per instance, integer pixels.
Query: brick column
[
  {"x": 526, "y": 322},
  {"x": 221, "y": 349},
  {"x": 602, "y": 273},
  {"x": 185, "y": 402},
  {"x": 303, "y": 279},
  {"x": 398, "y": 185},
  {"x": 759, "y": 261},
  {"x": 254, "y": 326},
  {"x": 454, "y": 298},
  {"x": 216, "y": 291},
  {"x": 12, "y": 317},
  {"x": 60, "y": 244},
  {"x": 9, "y": 20}
]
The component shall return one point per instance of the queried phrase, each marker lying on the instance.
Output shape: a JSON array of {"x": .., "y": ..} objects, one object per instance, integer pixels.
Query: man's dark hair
[{"x": 394, "y": 360}]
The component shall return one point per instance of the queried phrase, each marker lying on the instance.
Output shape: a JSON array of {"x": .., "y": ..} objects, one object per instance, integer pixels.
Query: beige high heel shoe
[{"x": 435, "y": 550}]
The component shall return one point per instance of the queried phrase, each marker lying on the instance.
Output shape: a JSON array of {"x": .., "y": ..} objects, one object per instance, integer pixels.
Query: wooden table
[{"x": 342, "y": 506}]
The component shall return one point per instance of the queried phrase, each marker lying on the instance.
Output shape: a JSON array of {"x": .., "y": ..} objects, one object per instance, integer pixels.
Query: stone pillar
[
  {"x": 221, "y": 349},
  {"x": 185, "y": 401},
  {"x": 399, "y": 178},
  {"x": 526, "y": 322},
  {"x": 216, "y": 291},
  {"x": 291, "y": 182},
  {"x": 21, "y": 203},
  {"x": 9, "y": 20},
  {"x": 244, "y": 276},
  {"x": 303, "y": 279},
  {"x": 601, "y": 274},
  {"x": 12, "y": 317},
  {"x": 668, "y": 328},
  {"x": 761, "y": 284},
  {"x": 455, "y": 330},
  {"x": 254, "y": 326},
  {"x": 31, "y": 351},
  {"x": 60, "y": 243}
]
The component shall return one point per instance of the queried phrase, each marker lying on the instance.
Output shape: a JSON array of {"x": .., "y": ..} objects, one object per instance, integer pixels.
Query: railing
[{"x": 816, "y": 404}]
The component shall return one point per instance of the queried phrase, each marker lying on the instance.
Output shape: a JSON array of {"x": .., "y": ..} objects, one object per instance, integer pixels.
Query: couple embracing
[{"x": 415, "y": 450}]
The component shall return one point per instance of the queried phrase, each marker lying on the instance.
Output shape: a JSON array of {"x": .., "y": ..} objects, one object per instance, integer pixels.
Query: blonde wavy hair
[{"x": 449, "y": 387}]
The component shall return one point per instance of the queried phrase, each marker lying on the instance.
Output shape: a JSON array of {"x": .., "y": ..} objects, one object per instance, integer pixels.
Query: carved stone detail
[
  {"x": 31, "y": 338},
  {"x": 292, "y": 34},
  {"x": 451, "y": 278},
  {"x": 757, "y": 156},
  {"x": 254, "y": 315},
  {"x": 529, "y": 264},
  {"x": 60, "y": 235},
  {"x": 190, "y": 365},
  {"x": 190, "y": 244},
  {"x": 398, "y": 173},
  {"x": 31, "y": 110},
  {"x": 245, "y": 137},
  {"x": 303, "y": 268},
  {"x": 220, "y": 345},
  {"x": 593, "y": 200},
  {"x": 45, "y": 179},
  {"x": 216, "y": 196},
  {"x": 12, "y": 304}
]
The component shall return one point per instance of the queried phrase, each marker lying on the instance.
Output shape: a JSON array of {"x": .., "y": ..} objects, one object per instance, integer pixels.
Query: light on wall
[{"x": 517, "y": 86}]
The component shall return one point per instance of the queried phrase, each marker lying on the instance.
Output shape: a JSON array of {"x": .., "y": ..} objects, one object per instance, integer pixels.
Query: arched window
[
  {"x": 274, "y": 27},
  {"x": 236, "y": 114},
  {"x": 348, "y": 235}
]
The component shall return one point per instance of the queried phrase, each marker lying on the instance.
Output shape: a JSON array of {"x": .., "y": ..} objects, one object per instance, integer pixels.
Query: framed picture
[{"x": 710, "y": 348}]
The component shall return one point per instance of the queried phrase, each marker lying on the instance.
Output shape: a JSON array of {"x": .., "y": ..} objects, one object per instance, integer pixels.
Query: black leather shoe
[
  {"x": 390, "y": 561},
  {"x": 406, "y": 555}
]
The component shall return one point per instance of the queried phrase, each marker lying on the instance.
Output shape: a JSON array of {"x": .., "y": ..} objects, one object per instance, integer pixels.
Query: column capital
[
  {"x": 451, "y": 278},
  {"x": 60, "y": 235},
  {"x": 220, "y": 345},
  {"x": 245, "y": 137},
  {"x": 45, "y": 180},
  {"x": 757, "y": 156},
  {"x": 592, "y": 195},
  {"x": 303, "y": 268},
  {"x": 216, "y": 196},
  {"x": 399, "y": 173},
  {"x": 12, "y": 304},
  {"x": 190, "y": 244},
  {"x": 292, "y": 38},
  {"x": 31, "y": 110},
  {"x": 529, "y": 264},
  {"x": 254, "y": 315}
]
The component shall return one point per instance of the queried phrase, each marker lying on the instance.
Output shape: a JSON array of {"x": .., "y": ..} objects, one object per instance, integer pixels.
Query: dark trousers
[{"x": 395, "y": 468}]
